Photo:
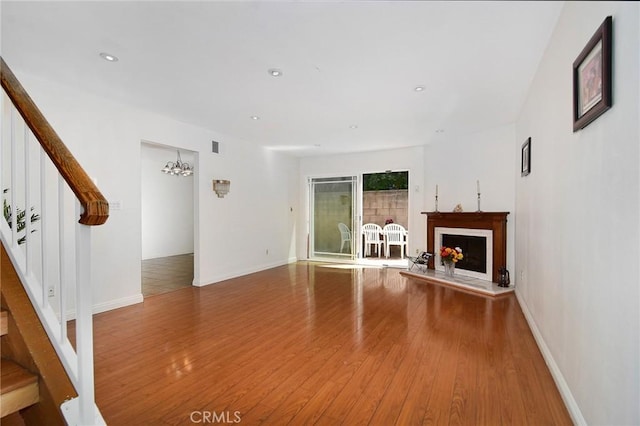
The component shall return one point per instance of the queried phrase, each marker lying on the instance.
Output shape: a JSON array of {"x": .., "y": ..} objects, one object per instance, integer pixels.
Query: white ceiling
[{"x": 348, "y": 63}]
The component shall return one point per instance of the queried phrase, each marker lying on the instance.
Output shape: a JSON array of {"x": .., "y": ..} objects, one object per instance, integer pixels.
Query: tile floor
[{"x": 164, "y": 274}]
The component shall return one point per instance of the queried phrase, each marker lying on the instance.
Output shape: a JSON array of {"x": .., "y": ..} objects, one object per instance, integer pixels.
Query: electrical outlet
[
  {"x": 417, "y": 251},
  {"x": 51, "y": 291}
]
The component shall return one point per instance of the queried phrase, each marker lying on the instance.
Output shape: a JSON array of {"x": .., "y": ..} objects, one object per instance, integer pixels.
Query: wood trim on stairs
[
  {"x": 4, "y": 321},
  {"x": 28, "y": 345},
  {"x": 18, "y": 388}
]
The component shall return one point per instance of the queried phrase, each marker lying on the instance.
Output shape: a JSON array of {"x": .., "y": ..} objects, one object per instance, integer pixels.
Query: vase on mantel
[{"x": 449, "y": 268}]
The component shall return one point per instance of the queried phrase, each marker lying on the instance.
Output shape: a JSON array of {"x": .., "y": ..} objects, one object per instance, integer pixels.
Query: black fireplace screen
[{"x": 474, "y": 250}]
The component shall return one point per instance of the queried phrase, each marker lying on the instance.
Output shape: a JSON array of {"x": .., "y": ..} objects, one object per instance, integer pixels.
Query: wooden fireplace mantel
[{"x": 494, "y": 221}]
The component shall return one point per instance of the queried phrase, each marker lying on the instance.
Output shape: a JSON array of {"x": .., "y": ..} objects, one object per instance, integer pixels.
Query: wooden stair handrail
[{"x": 95, "y": 206}]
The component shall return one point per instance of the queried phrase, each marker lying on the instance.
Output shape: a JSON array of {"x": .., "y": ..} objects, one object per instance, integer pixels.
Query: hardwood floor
[{"x": 310, "y": 344}]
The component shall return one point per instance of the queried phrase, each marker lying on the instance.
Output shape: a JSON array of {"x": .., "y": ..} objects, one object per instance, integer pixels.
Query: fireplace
[{"x": 487, "y": 227}]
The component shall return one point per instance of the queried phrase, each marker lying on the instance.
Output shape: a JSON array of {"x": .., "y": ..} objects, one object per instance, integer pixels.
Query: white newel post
[{"x": 84, "y": 329}]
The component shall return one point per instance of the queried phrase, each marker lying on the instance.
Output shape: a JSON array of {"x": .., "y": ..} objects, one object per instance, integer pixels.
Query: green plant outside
[{"x": 385, "y": 181}]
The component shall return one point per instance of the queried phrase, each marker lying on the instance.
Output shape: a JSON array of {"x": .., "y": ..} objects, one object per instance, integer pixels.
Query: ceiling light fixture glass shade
[
  {"x": 108, "y": 57},
  {"x": 178, "y": 168}
]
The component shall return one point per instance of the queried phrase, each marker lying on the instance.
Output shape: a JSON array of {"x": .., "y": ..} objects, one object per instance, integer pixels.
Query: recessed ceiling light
[
  {"x": 274, "y": 72},
  {"x": 439, "y": 130},
  {"x": 353, "y": 126},
  {"x": 419, "y": 88},
  {"x": 255, "y": 117},
  {"x": 108, "y": 57}
]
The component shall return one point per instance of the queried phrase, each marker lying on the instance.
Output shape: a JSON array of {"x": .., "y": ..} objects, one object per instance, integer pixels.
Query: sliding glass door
[{"x": 332, "y": 218}]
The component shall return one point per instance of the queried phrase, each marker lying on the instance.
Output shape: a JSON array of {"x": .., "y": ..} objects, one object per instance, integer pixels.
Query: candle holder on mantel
[
  {"x": 436, "y": 209},
  {"x": 478, "y": 211}
]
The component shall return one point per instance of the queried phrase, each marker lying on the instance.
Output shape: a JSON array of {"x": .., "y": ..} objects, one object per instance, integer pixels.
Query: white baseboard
[
  {"x": 242, "y": 272},
  {"x": 110, "y": 305},
  {"x": 563, "y": 387},
  {"x": 118, "y": 303}
]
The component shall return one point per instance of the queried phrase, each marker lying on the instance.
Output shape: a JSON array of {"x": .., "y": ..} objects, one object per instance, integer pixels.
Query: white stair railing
[{"x": 43, "y": 191}]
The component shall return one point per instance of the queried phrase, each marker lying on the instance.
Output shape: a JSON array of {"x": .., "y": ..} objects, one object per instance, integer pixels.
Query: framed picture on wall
[
  {"x": 525, "y": 162},
  {"x": 592, "y": 78}
]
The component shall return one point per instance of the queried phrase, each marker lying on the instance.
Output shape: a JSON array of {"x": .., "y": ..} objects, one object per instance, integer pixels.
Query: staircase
[
  {"x": 34, "y": 382},
  {"x": 18, "y": 386},
  {"x": 45, "y": 270}
]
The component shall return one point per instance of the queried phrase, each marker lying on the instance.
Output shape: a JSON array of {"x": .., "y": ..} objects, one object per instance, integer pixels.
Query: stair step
[
  {"x": 4, "y": 322},
  {"x": 18, "y": 388}
]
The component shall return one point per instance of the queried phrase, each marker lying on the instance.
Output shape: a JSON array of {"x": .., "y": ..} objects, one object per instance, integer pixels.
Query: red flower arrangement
[{"x": 448, "y": 254}]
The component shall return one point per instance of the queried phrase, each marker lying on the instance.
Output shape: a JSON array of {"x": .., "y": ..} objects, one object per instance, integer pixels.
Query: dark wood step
[{"x": 18, "y": 388}]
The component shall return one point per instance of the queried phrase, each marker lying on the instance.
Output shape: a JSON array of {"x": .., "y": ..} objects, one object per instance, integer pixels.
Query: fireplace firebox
[{"x": 473, "y": 249}]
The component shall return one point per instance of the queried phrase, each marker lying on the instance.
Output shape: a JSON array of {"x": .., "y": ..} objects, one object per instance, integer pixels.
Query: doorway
[
  {"x": 332, "y": 207},
  {"x": 380, "y": 198},
  {"x": 167, "y": 220},
  {"x": 385, "y": 200},
  {"x": 164, "y": 274}
]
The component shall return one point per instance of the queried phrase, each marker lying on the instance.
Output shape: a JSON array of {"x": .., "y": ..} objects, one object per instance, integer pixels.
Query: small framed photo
[
  {"x": 525, "y": 164},
  {"x": 592, "y": 78}
]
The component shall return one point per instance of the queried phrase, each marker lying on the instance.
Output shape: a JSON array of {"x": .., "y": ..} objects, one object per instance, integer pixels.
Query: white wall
[
  {"x": 167, "y": 204},
  {"x": 455, "y": 162},
  {"x": 356, "y": 164},
  {"x": 232, "y": 233},
  {"x": 577, "y": 229},
  {"x": 257, "y": 215}
]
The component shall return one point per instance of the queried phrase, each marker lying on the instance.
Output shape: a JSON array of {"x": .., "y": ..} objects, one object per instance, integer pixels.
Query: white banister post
[
  {"x": 27, "y": 201},
  {"x": 2, "y": 138},
  {"x": 62, "y": 289},
  {"x": 84, "y": 321},
  {"x": 43, "y": 226},
  {"x": 12, "y": 186}
]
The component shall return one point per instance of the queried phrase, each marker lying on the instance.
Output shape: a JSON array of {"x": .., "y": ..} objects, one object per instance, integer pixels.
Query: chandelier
[{"x": 178, "y": 168}]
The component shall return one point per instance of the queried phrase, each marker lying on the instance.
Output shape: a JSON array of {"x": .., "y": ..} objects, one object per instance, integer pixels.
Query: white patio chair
[
  {"x": 345, "y": 235},
  {"x": 372, "y": 236},
  {"x": 394, "y": 235}
]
